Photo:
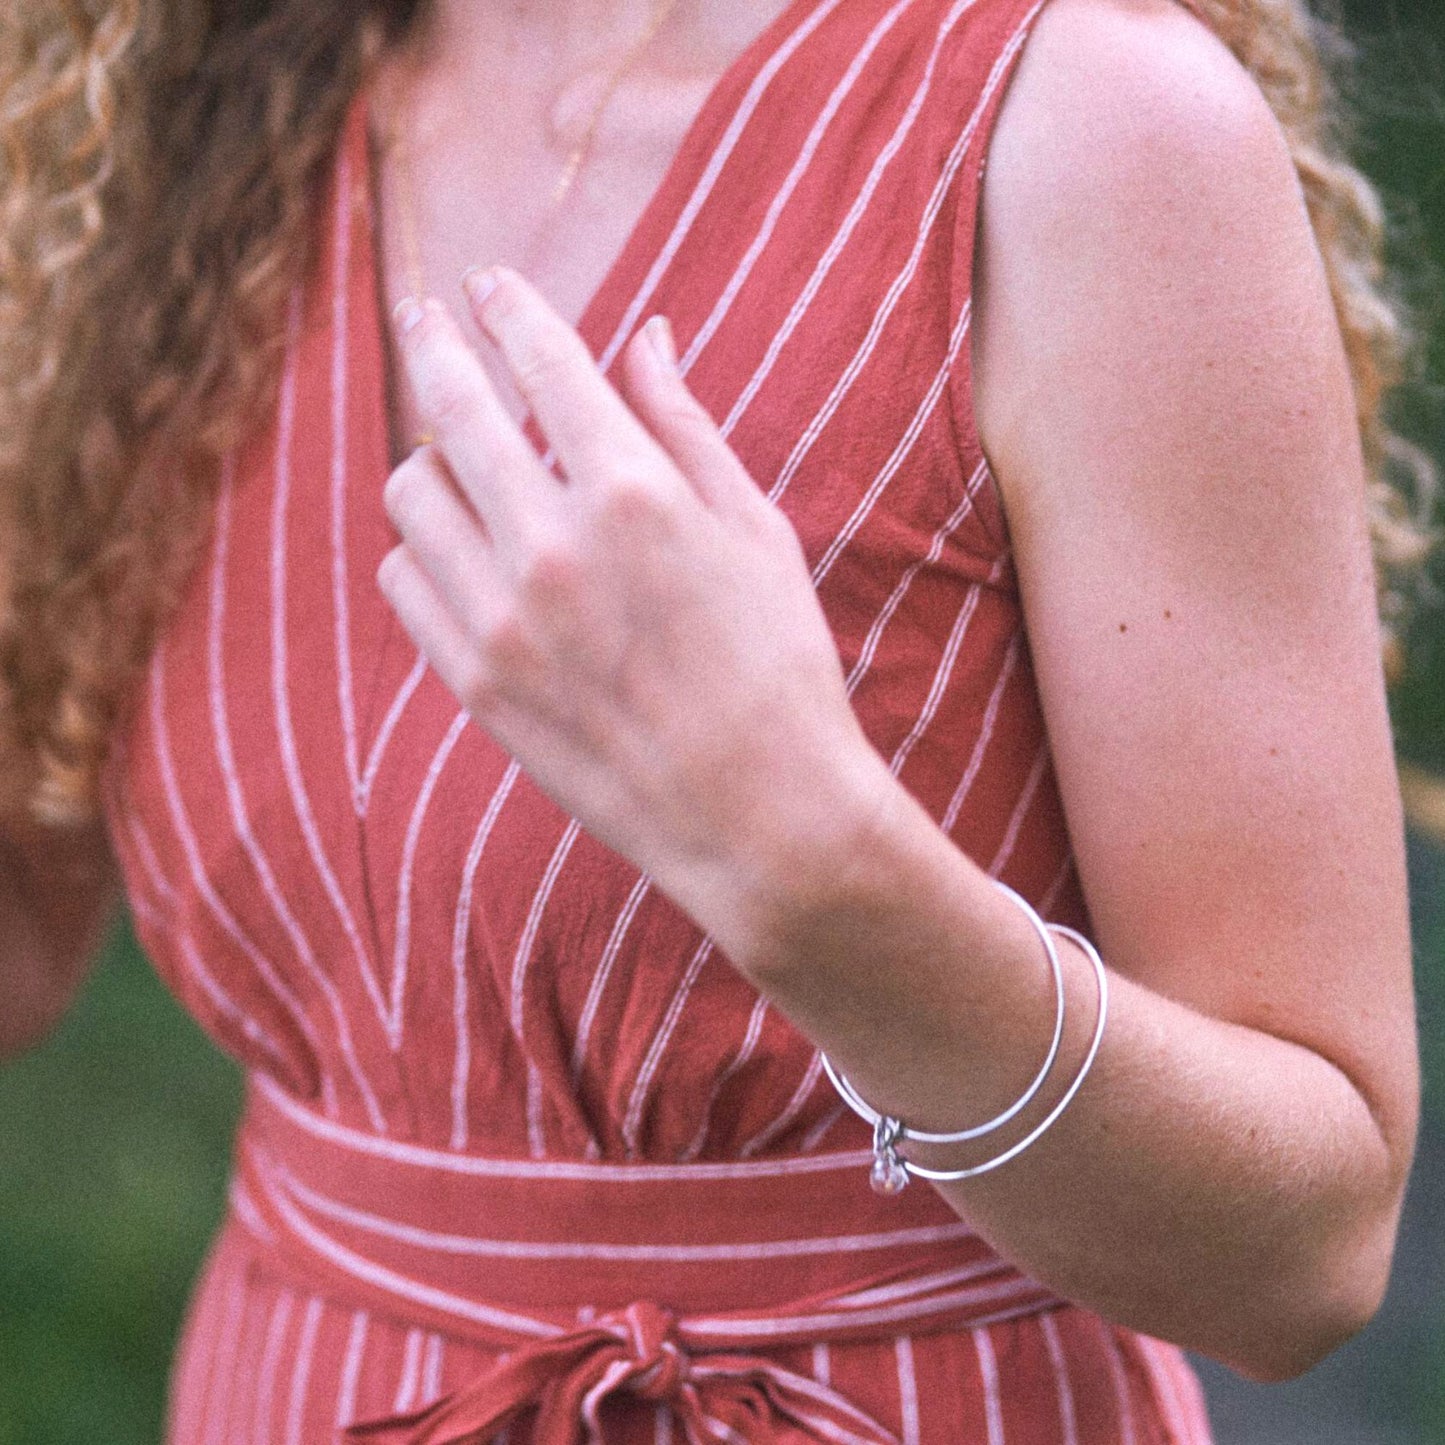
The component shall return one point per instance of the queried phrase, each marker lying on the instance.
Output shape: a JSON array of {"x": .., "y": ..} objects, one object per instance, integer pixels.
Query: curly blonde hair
[{"x": 158, "y": 164}]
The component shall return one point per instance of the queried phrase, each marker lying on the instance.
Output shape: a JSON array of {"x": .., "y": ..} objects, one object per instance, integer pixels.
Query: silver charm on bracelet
[{"x": 891, "y": 1170}]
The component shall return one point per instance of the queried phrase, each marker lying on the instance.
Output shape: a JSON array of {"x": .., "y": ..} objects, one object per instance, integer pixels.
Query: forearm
[
  {"x": 1211, "y": 1183},
  {"x": 58, "y": 893}
]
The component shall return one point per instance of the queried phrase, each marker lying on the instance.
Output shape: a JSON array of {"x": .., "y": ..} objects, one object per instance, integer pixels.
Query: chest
[{"x": 551, "y": 183}]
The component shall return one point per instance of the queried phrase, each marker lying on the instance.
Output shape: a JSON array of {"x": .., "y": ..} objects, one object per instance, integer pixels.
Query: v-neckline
[{"x": 643, "y": 242}]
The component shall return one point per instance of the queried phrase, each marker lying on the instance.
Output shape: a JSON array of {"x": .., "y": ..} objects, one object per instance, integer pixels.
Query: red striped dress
[{"x": 524, "y": 1158}]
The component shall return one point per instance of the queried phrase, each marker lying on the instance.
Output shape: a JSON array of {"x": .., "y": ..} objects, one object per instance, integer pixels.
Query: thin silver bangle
[
  {"x": 891, "y": 1170},
  {"x": 1015, "y": 1150},
  {"x": 865, "y": 1111}
]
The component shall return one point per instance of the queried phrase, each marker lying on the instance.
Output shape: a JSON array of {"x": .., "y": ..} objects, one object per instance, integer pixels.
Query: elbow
[
  {"x": 1303, "y": 1344},
  {"x": 1314, "y": 1316},
  {"x": 1327, "y": 1288}
]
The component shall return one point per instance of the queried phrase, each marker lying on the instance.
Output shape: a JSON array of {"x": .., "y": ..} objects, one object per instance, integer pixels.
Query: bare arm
[
  {"x": 59, "y": 892},
  {"x": 1163, "y": 394}
]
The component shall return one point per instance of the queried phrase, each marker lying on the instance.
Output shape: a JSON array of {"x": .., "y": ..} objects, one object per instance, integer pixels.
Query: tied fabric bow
[{"x": 720, "y": 1398}]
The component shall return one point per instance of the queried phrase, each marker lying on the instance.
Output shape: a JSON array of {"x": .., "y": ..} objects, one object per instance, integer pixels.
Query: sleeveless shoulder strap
[{"x": 990, "y": 41}]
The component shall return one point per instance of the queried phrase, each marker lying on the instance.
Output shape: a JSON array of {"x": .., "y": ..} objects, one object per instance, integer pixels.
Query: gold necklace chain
[{"x": 572, "y": 167}]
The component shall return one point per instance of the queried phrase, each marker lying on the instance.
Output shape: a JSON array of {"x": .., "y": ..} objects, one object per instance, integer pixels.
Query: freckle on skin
[
  {"x": 1123, "y": 627},
  {"x": 1167, "y": 614}
]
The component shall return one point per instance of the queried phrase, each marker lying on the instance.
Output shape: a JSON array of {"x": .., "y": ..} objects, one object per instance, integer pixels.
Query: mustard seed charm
[{"x": 888, "y": 1175}]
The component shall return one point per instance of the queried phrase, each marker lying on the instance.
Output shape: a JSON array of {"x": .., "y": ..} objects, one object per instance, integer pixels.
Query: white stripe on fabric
[
  {"x": 1002, "y": 1293},
  {"x": 196, "y": 867},
  {"x": 1119, "y": 1379},
  {"x": 935, "y": 550},
  {"x": 340, "y": 587},
  {"x": 431, "y": 1375},
  {"x": 985, "y": 735},
  {"x": 603, "y": 971},
  {"x": 202, "y": 1395},
  {"x": 400, "y": 1285},
  {"x": 461, "y": 934},
  {"x": 749, "y": 1045},
  {"x": 480, "y": 1246},
  {"x": 401, "y": 953},
  {"x": 195, "y": 966},
  {"x": 838, "y": 243},
  {"x": 902, "y": 280},
  {"x": 160, "y": 912},
  {"x": 612, "y": 1376},
  {"x": 388, "y": 724},
  {"x": 815, "y": 1136},
  {"x": 1164, "y": 1362},
  {"x": 244, "y": 1208},
  {"x": 147, "y": 912},
  {"x": 822, "y": 1364},
  {"x": 240, "y": 1380},
  {"x": 216, "y": 1396},
  {"x": 1068, "y": 1424},
  {"x": 919, "y": 1284},
  {"x": 822, "y": 1395},
  {"x": 901, "y": 451},
  {"x": 301, "y": 1372},
  {"x": 351, "y": 1370},
  {"x": 406, "y": 1386},
  {"x": 1191, "y": 1399},
  {"x": 248, "y": 1024},
  {"x": 794, "y": 1107},
  {"x": 470, "y": 1164},
  {"x": 636, "y": 1105},
  {"x": 784, "y": 193},
  {"x": 988, "y": 1374},
  {"x": 265, "y": 1397},
  {"x": 1020, "y": 812},
  {"x": 280, "y": 694},
  {"x": 1163, "y": 1389},
  {"x": 536, "y": 1143},
  {"x": 941, "y": 678},
  {"x": 241, "y": 822},
  {"x": 708, "y": 179},
  {"x": 907, "y": 1389},
  {"x": 1051, "y": 895}
]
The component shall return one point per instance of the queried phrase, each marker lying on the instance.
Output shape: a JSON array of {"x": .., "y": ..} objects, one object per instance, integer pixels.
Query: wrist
[{"x": 808, "y": 871}]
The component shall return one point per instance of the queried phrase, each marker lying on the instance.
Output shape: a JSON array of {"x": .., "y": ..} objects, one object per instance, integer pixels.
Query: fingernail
[
  {"x": 659, "y": 334},
  {"x": 479, "y": 282},
  {"x": 407, "y": 313}
]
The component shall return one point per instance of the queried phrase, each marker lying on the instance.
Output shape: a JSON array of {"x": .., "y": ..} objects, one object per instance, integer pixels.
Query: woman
[{"x": 540, "y": 824}]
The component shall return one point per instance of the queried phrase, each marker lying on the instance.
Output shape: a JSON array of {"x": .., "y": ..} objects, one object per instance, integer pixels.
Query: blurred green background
[{"x": 114, "y": 1136}]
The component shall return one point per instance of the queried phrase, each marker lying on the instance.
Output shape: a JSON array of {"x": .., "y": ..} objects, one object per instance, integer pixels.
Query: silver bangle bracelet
[
  {"x": 891, "y": 1170},
  {"x": 962, "y": 1136}
]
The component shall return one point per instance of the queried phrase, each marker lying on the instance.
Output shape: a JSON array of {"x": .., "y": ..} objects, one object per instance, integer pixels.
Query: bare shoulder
[
  {"x": 1130, "y": 103},
  {"x": 1162, "y": 389},
  {"x": 1139, "y": 189}
]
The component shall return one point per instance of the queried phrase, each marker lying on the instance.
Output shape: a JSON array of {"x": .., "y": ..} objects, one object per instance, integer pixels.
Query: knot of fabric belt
[{"x": 719, "y": 1398}]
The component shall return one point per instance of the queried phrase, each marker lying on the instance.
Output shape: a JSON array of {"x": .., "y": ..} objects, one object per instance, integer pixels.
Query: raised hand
[{"x": 641, "y": 633}]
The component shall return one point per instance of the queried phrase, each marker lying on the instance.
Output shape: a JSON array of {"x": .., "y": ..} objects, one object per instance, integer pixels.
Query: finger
[
  {"x": 423, "y": 612},
  {"x": 494, "y": 464},
  {"x": 443, "y": 535},
  {"x": 588, "y": 424},
  {"x": 660, "y": 398}
]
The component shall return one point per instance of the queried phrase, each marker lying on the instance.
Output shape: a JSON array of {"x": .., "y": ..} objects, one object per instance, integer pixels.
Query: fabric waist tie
[{"x": 594, "y": 1279}]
